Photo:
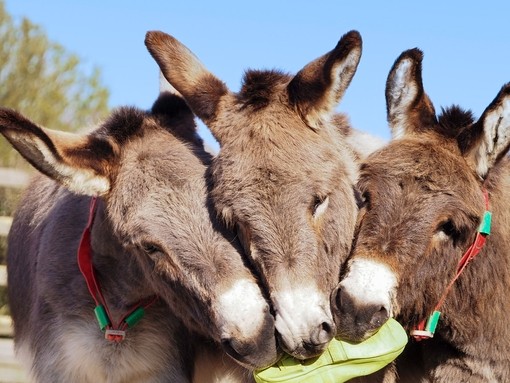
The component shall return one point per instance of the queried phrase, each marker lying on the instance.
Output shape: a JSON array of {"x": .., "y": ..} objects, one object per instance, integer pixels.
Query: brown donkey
[
  {"x": 283, "y": 178},
  {"x": 423, "y": 206},
  {"x": 151, "y": 235}
]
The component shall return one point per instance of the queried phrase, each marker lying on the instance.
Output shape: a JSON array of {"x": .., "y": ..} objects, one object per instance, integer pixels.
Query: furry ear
[
  {"x": 318, "y": 87},
  {"x": 200, "y": 88},
  {"x": 165, "y": 86},
  {"x": 79, "y": 162},
  {"x": 485, "y": 142},
  {"x": 408, "y": 108}
]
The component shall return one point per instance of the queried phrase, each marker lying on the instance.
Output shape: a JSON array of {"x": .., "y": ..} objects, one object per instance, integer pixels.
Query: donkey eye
[
  {"x": 358, "y": 197},
  {"x": 320, "y": 204},
  {"x": 447, "y": 228},
  {"x": 150, "y": 248},
  {"x": 363, "y": 199}
]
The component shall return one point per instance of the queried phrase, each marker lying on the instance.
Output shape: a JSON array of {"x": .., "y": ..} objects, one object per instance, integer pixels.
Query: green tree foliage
[
  {"x": 46, "y": 83},
  {"x": 43, "y": 81}
]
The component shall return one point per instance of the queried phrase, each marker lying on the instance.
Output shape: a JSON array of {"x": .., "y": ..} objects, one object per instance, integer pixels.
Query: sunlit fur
[
  {"x": 284, "y": 176},
  {"x": 423, "y": 204},
  {"x": 157, "y": 199}
]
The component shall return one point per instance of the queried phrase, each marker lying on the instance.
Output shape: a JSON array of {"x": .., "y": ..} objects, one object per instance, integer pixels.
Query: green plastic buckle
[
  {"x": 135, "y": 316},
  {"x": 485, "y": 225},
  {"x": 432, "y": 322},
  {"x": 102, "y": 317}
]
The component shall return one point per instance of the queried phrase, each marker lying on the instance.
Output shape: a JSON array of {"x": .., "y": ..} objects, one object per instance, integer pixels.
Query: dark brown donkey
[
  {"x": 283, "y": 178},
  {"x": 423, "y": 206},
  {"x": 151, "y": 235}
]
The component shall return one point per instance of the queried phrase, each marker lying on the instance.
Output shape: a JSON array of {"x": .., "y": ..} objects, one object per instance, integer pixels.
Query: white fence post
[{"x": 17, "y": 179}]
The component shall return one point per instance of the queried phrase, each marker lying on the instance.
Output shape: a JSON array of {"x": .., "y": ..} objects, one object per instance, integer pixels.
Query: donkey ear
[
  {"x": 487, "y": 141},
  {"x": 200, "y": 88},
  {"x": 408, "y": 108},
  {"x": 78, "y": 162},
  {"x": 165, "y": 86},
  {"x": 318, "y": 87}
]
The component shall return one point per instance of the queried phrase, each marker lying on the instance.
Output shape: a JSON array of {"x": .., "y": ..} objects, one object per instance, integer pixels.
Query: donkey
[
  {"x": 283, "y": 178},
  {"x": 150, "y": 246},
  {"x": 424, "y": 199}
]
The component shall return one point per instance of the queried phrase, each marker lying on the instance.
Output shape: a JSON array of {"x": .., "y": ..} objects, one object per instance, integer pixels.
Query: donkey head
[
  {"x": 423, "y": 204},
  {"x": 150, "y": 171},
  {"x": 283, "y": 178}
]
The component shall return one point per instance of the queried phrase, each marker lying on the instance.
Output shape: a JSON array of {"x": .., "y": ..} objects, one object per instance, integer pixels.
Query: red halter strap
[
  {"x": 425, "y": 329},
  {"x": 113, "y": 332}
]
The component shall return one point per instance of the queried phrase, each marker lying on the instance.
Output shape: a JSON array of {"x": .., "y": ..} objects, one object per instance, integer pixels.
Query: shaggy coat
[
  {"x": 423, "y": 204},
  {"x": 152, "y": 235},
  {"x": 283, "y": 178}
]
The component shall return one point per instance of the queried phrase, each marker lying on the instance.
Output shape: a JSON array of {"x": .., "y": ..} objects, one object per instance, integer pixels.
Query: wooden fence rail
[
  {"x": 5, "y": 225},
  {"x": 10, "y": 178},
  {"x": 13, "y": 178},
  {"x": 10, "y": 369},
  {"x": 5, "y": 320}
]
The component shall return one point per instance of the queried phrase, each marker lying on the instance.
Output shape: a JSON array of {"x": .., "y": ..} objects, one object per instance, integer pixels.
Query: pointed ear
[
  {"x": 165, "y": 86},
  {"x": 317, "y": 89},
  {"x": 78, "y": 162},
  {"x": 408, "y": 108},
  {"x": 200, "y": 88},
  {"x": 485, "y": 142}
]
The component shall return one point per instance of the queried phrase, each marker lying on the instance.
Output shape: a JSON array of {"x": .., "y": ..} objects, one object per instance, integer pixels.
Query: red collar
[
  {"x": 425, "y": 330},
  {"x": 113, "y": 332}
]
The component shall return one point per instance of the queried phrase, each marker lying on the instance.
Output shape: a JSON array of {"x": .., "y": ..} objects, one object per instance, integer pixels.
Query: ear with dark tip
[
  {"x": 78, "y": 162},
  {"x": 485, "y": 142},
  {"x": 318, "y": 87},
  {"x": 408, "y": 107},
  {"x": 182, "y": 69}
]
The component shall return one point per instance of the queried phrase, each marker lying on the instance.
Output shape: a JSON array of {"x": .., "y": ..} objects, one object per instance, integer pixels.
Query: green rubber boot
[{"x": 341, "y": 361}]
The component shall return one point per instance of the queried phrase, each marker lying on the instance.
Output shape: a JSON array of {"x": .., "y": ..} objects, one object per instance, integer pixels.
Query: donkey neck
[
  {"x": 479, "y": 301},
  {"x": 117, "y": 273}
]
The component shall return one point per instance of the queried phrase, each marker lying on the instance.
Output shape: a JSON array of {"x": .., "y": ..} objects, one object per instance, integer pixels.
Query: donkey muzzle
[{"x": 356, "y": 320}]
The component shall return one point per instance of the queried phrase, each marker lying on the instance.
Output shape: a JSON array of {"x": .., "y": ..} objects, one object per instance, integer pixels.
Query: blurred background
[{"x": 66, "y": 64}]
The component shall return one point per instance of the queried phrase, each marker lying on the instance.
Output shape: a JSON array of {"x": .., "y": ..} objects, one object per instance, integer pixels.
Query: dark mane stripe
[
  {"x": 259, "y": 86},
  {"x": 123, "y": 123},
  {"x": 174, "y": 114},
  {"x": 454, "y": 119},
  {"x": 171, "y": 105},
  {"x": 171, "y": 112}
]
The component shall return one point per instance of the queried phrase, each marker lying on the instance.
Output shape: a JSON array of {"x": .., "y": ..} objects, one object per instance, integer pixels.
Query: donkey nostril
[
  {"x": 326, "y": 327},
  {"x": 325, "y": 332},
  {"x": 380, "y": 317},
  {"x": 226, "y": 343},
  {"x": 239, "y": 349},
  {"x": 337, "y": 296}
]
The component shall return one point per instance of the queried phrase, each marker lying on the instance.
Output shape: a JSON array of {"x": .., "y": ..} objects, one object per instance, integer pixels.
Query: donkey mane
[
  {"x": 123, "y": 123},
  {"x": 127, "y": 122},
  {"x": 259, "y": 87},
  {"x": 174, "y": 114},
  {"x": 169, "y": 111},
  {"x": 454, "y": 119}
]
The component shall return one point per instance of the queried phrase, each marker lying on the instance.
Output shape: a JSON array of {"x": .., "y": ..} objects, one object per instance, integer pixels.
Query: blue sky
[{"x": 466, "y": 44}]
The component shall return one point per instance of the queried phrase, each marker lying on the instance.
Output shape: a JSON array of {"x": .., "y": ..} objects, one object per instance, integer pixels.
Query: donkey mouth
[
  {"x": 357, "y": 335},
  {"x": 251, "y": 355},
  {"x": 305, "y": 350},
  {"x": 314, "y": 349}
]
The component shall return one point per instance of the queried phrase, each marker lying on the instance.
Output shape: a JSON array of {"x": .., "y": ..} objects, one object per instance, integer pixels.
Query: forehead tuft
[
  {"x": 419, "y": 159},
  {"x": 123, "y": 123},
  {"x": 453, "y": 119},
  {"x": 259, "y": 87},
  {"x": 169, "y": 112}
]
